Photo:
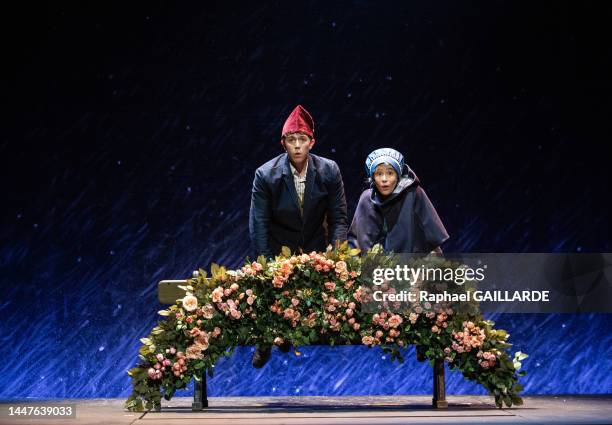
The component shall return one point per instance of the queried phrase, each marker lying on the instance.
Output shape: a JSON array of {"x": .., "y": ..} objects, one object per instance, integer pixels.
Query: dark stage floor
[{"x": 341, "y": 410}]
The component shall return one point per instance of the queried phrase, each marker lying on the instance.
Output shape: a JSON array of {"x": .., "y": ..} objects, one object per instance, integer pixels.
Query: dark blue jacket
[{"x": 275, "y": 219}]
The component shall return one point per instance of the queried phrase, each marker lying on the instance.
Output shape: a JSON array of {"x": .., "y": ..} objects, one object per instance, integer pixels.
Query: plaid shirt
[{"x": 300, "y": 183}]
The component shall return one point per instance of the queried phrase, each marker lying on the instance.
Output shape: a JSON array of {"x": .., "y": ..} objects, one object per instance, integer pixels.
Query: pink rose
[
  {"x": 356, "y": 326},
  {"x": 249, "y": 292},
  {"x": 278, "y": 340},
  {"x": 250, "y": 300},
  {"x": 295, "y": 301},
  {"x": 330, "y": 286},
  {"x": 160, "y": 357},
  {"x": 367, "y": 340},
  {"x": 340, "y": 267},
  {"x": 208, "y": 311},
  {"x": 278, "y": 282},
  {"x": 217, "y": 294},
  {"x": 236, "y": 314}
]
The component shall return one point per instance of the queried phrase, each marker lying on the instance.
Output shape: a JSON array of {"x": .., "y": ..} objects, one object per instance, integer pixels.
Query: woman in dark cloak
[{"x": 395, "y": 212}]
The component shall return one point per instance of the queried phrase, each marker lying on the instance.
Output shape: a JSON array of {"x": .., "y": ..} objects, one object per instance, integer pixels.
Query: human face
[
  {"x": 385, "y": 179},
  {"x": 297, "y": 146}
]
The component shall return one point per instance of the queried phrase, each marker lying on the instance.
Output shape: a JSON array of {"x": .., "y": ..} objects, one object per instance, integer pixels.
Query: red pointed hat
[{"x": 299, "y": 120}]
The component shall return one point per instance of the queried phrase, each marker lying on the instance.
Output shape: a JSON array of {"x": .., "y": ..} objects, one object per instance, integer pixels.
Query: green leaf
[
  {"x": 215, "y": 270},
  {"x": 136, "y": 371},
  {"x": 520, "y": 356},
  {"x": 507, "y": 400},
  {"x": 498, "y": 401}
]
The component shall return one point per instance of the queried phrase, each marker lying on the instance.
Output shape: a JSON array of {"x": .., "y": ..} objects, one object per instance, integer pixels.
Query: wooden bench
[{"x": 168, "y": 292}]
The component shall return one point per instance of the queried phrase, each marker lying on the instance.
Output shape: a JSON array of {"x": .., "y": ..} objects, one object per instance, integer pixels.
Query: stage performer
[
  {"x": 395, "y": 211},
  {"x": 297, "y": 200}
]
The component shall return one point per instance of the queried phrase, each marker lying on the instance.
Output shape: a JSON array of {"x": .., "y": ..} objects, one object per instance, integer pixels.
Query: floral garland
[{"x": 307, "y": 299}]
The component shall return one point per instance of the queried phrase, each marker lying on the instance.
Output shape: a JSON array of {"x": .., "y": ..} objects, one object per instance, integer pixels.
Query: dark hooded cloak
[{"x": 405, "y": 221}]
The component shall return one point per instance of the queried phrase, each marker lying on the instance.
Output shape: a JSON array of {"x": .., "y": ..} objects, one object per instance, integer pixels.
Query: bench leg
[
  {"x": 439, "y": 387},
  {"x": 200, "y": 399}
]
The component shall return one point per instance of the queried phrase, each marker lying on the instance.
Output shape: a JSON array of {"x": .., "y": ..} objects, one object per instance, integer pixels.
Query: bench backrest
[{"x": 168, "y": 291}]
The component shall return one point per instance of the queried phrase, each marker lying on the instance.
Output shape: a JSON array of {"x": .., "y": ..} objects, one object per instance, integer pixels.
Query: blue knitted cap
[{"x": 384, "y": 156}]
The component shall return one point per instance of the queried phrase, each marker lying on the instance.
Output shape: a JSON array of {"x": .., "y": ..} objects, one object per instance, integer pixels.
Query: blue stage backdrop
[{"x": 134, "y": 134}]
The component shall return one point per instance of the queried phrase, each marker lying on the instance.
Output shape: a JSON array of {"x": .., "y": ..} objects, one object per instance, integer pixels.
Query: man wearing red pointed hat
[{"x": 297, "y": 200}]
